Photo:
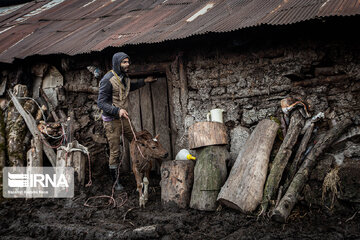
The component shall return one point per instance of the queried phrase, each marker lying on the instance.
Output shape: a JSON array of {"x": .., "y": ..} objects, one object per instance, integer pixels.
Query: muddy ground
[{"x": 70, "y": 219}]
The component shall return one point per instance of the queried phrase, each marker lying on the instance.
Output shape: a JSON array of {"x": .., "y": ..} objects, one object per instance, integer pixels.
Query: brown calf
[{"x": 143, "y": 151}]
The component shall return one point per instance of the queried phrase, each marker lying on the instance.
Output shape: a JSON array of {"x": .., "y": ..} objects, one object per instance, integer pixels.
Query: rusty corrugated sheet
[{"x": 73, "y": 27}]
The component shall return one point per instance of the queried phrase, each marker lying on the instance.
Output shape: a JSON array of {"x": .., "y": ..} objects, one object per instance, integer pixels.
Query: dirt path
[{"x": 69, "y": 219}]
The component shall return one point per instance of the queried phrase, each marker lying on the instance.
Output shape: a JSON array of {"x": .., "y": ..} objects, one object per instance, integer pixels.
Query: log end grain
[{"x": 206, "y": 134}]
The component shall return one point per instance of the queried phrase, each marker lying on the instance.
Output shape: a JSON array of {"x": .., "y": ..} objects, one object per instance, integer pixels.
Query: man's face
[{"x": 124, "y": 65}]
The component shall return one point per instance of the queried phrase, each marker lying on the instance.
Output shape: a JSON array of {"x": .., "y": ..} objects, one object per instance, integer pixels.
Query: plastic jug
[
  {"x": 215, "y": 115},
  {"x": 184, "y": 154}
]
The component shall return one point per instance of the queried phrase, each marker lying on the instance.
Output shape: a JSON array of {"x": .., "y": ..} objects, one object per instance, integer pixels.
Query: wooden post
[
  {"x": 34, "y": 161},
  {"x": 243, "y": 189},
  {"x": 281, "y": 159},
  {"x": 177, "y": 178},
  {"x": 183, "y": 84},
  {"x": 283, "y": 210},
  {"x": 34, "y": 155},
  {"x": 209, "y": 176},
  {"x": 173, "y": 129}
]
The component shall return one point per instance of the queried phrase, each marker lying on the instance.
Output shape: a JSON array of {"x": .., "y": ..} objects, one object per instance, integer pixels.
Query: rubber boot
[{"x": 113, "y": 173}]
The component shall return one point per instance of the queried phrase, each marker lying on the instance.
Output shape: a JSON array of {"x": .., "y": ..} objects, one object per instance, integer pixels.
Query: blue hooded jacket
[{"x": 105, "y": 99}]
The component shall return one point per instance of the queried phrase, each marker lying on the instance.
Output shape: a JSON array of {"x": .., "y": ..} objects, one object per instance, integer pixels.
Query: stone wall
[{"x": 249, "y": 84}]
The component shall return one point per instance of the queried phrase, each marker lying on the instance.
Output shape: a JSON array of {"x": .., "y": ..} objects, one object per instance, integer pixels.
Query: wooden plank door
[{"x": 149, "y": 109}]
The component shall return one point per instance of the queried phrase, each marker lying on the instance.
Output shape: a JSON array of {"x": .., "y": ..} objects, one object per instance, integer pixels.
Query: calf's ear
[{"x": 157, "y": 136}]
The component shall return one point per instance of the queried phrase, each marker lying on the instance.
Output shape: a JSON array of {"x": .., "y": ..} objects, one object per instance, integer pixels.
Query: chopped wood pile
[
  {"x": 250, "y": 186},
  {"x": 28, "y": 126},
  {"x": 301, "y": 147}
]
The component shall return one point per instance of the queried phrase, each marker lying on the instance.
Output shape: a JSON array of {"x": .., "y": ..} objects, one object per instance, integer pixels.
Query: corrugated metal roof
[{"x": 73, "y": 27}]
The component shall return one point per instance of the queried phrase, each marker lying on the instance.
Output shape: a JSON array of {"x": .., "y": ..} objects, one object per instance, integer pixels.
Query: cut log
[
  {"x": 243, "y": 189},
  {"x": 281, "y": 159},
  {"x": 177, "y": 178},
  {"x": 31, "y": 124},
  {"x": 283, "y": 210},
  {"x": 203, "y": 134},
  {"x": 299, "y": 156},
  {"x": 209, "y": 176}
]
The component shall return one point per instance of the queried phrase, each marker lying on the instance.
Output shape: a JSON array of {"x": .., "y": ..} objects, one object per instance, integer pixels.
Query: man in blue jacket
[{"x": 113, "y": 99}]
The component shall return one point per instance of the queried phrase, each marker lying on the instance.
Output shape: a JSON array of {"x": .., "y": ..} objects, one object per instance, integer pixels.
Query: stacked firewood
[{"x": 248, "y": 184}]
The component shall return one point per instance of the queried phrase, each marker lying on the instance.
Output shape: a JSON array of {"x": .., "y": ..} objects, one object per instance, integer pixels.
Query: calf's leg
[{"x": 139, "y": 186}]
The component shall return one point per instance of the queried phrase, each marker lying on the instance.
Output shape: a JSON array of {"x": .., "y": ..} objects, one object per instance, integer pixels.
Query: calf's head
[{"x": 149, "y": 146}]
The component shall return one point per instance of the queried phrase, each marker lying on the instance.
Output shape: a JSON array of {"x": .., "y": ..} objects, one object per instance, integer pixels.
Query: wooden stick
[
  {"x": 283, "y": 210},
  {"x": 281, "y": 159}
]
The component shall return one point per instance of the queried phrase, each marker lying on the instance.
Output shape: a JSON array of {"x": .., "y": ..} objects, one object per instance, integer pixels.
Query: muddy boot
[{"x": 113, "y": 173}]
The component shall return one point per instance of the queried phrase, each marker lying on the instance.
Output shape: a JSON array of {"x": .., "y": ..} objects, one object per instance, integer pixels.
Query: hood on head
[{"x": 116, "y": 60}]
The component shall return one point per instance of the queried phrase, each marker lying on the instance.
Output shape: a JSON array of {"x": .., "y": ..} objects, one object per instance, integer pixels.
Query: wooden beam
[
  {"x": 321, "y": 80},
  {"x": 148, "y": 69}
]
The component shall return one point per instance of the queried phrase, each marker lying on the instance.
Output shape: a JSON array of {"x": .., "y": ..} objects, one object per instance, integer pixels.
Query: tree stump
[
  {"x": 203, "y": 134},
  {"x": 209, "y": 176},
  {"x": 243, "y": 189},
  {"x": 177, "y": 178}
]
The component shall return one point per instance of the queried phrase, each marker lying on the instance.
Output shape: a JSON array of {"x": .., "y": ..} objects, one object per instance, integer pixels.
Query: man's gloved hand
[
  {"x": 150, "y": 79},
  {"x": 123, "y": 113}
]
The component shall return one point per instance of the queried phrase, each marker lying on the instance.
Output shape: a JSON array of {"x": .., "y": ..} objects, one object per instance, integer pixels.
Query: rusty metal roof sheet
[{"x": 73, "y": 27}]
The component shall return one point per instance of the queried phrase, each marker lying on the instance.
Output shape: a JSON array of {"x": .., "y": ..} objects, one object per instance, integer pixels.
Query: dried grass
[{"x": 330, "y": 185}]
